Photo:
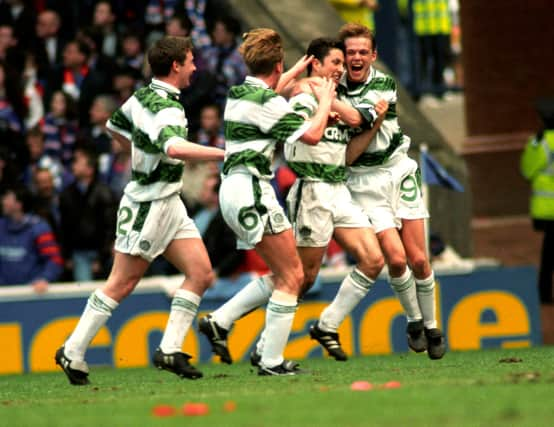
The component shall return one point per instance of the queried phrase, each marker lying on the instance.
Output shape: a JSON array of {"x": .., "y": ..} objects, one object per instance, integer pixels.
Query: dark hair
[
  {"x": 23, "y": 195},
  {"x": 165, "y": 51},
  {"x": 87, "y": 149},
  {"x": 321, "y": 47},
  {"x": 357, "y": 30},
  {"x": 230, "y": 23},
  {"x": 184, "y": 21}
]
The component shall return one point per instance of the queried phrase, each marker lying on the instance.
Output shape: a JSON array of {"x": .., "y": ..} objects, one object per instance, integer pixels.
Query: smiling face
[
  {"x": 332, "y": 66},
  {"x": 185, "y": 70},
  {"x": 360, "y": 55}
]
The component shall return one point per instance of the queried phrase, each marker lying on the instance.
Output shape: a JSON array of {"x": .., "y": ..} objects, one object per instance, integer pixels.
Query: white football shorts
[
  {"x": 317, "y": 208},
  {"x": 250, "y": 208},
  {"x": 389, "y": 194},
  {"x": 147, "y": 228}
]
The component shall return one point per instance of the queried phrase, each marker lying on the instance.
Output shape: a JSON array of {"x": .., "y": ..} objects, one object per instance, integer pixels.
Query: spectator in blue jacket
[{"x": 29, "y": 253}]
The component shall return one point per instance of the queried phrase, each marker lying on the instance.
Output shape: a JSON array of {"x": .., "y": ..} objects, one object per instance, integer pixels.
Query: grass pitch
[{"x": 482, "y": 388}]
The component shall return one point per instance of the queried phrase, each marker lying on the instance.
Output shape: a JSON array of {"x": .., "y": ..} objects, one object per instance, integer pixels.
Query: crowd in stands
[{"x": 64, "y": 68}]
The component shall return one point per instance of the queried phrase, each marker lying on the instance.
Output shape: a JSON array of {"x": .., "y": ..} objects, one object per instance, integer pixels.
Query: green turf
[{"x": 484, "y": 388}]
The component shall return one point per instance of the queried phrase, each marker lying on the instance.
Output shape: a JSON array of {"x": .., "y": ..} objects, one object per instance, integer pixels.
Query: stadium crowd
[{"x": 65, "y": 67}]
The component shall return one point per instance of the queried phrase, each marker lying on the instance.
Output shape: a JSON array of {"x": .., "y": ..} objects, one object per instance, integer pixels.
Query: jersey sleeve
[
  {"x": 171, "y": 127},
  {"x": 120, "y": 121}
]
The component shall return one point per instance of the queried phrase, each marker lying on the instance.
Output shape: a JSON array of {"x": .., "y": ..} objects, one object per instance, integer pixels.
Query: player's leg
[
  {"x": 190, "y": 257},
  {"x": 216, "y": 325},
  {"x": 413, "y": 238},
  {"x": 362, "y": 244},
  {"x": 279, "y": 253},
  {"x": 403, "y": 285},
  {"x": 127, "y": 270},
  {"x": 311, "y": 258}
]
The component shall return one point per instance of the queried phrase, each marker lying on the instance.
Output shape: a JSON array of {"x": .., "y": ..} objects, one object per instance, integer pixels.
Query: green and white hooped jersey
[
  {"x": 389, "y": 145},
  {"x": 255, "y": 119},
  {"x": 152, "y": 119},
  {"x": 324, "y": 161}
]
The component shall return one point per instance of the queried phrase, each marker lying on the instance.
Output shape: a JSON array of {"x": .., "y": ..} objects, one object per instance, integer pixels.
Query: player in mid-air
[
  {"x": 386, "y": 183},
  {"x": 320, "y": 205},
  {"x": 256, "y": 118},
  {"x": 152, "y": 218}
]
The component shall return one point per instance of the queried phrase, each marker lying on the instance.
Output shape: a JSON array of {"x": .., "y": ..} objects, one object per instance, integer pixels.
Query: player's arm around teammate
[{"x": 256, "y": 118}]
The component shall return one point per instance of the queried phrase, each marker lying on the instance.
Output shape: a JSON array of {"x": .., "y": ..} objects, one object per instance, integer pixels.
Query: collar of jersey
[
  {"x": 344, "y": 82},
  {"x": 171, "y": 90},
  {"x": 251, "y": 80}
]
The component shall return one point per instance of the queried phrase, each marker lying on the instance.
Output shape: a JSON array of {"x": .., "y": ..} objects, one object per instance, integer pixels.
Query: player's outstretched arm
[{"x": 186, "y": 150}]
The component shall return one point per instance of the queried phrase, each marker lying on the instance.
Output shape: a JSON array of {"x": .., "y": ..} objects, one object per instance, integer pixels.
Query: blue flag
[{"x": 432, "y": 173}]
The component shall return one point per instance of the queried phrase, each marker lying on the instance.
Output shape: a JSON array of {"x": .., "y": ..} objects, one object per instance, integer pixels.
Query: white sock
[
  {"x": 353, "y": 288},
  {"x": 405, "y": 290},
  {"x": 260, "y": 343},
  {"x": 96, "y": 313},
  {"x": 426, "y": 298},
  {"x": 255, "y": 294},
  {"x": 278, "y": 322},
  {"x": 183, "y": 309}
]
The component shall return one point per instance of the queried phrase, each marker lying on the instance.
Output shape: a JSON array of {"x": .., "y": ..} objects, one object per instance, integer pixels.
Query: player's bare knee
[
  {"x": 376, "y": 264},
  {"x": 397, "y": 266},
  {"x": 420, "y": 266}
]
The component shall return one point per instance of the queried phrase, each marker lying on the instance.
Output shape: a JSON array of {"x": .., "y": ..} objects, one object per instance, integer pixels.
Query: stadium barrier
[{"x": 481, "y": 308}]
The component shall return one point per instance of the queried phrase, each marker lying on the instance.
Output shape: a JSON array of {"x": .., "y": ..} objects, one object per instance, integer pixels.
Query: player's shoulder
[
  {"x": 381, "y": 81},
  {"x": 254, "y": 93}
]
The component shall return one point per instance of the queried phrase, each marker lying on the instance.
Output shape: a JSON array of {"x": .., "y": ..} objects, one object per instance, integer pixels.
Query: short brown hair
[
  {"x": 262, "y": 49},
  {"x": 353, "y": 29},
  {"x": 166, "y": 50}
]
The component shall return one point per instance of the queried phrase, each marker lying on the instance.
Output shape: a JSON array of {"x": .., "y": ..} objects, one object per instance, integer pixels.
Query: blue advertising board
[{"x": 494, "y": 307}]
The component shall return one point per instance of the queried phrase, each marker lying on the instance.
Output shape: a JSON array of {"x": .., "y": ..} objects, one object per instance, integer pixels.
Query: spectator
[
  {"x": 359, "y": 11},
  {"x": 223, "y": 58},
  {"x": 84, "y": 75},
  {"x": 46, "y": 199},
  {"x": 104, "y": 21},
  {"x": 537, "y": 165},
  {"x": 126, "y": 80},
  {"x": 48, "y": 45},
  {"x": 33, "y": 91},
  {"x": 102, "y": 108},
  {"x": 38, "y": 159},
  {"x": 29, "y": 253},
  {"x": 211, "y": 127},
  {"x": 132, "y": 51},
  {"x": 432, "y": 26},
  {"x": 20, "y": 15},
  {"x": 118, "y": 171},
  {"x": 60, "y": 128},
  {"x": 87, "y": 209},
  {"x": 12, "y": 112}
]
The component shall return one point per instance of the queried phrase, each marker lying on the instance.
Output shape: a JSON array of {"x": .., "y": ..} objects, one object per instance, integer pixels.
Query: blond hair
[{"x": 262, "y": 49}]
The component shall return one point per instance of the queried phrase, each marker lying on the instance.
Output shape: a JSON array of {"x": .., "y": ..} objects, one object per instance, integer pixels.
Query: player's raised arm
[
  {"x": 287, "y": 80},
  {"x": 325, "y": 93}
]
